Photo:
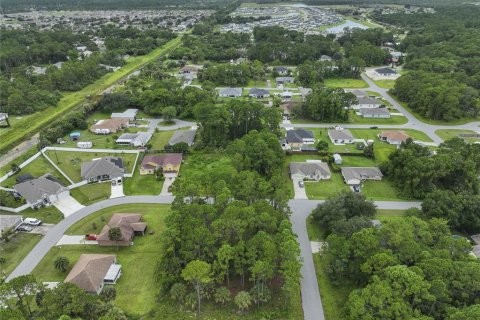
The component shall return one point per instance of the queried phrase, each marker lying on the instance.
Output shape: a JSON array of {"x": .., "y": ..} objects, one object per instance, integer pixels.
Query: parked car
[
  {"x": 32, "y": 221},
  {"x": 356, "y": 188},
  {"x": 91, "y": 237},
  {"x": 24, "y": 229},
  {"x": 301, "y": 184}
]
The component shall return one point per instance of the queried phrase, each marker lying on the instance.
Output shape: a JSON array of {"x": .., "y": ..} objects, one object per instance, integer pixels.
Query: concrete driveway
[
  {"x": 42, "y": 229},
  {"x": 166, "y": 184},
  {"x": 300, "y": 192},
  {"x": 117, "y": 191},
  {"x": 68, "y": 205},
  {"x": 67, "y": 240}
]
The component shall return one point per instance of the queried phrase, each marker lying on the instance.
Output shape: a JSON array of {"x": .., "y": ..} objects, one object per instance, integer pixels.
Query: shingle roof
[
  {"x": 163, "y": 159},
  {"x": 361, "y": 173},
  {"x": 359, "y": 93},
  {"x": 231, "y": 91},
  {"x": 343, "y": 134},
  {"x": 374, "y": 111},
  {"x": 309, "y": 168},
  {"x": 187, "y": 136},
  {"x": 297, "y": 135},
  {"x": 90, "y": 270},
  {"x": 34, "y": 190},
  {"x": 103, "y": 166},
  {"x": 258, "y": 92},
  {"x": 385, "y": 71},
  {"x": 368, "y": 100},
  {"x": 394, "y": 135},
  {"x": 128, "y": 223}
]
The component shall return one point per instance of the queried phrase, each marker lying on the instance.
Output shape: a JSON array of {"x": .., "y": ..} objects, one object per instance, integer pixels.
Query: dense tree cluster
[
  {"x": 233, "y": 74},
  {"x": 310, "y": 73},
  {"x": 212, "y": 250},
  {"x": 328, "y": 104},
  {"x": 408, "y": 268},
  {"x": 223, "y": 123},
  {"x": 417, "y": 172},
  {"x": 32, "y": 300},
  {"x": 442, "y": 55}
]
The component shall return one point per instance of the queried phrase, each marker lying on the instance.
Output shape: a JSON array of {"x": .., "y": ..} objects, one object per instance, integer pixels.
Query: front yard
[
  {"x": 325, "y": 188},
  {"x": 136, "y": 288},
  {"x": 138, "y": 185},
  {"x": 92, "y": 192},
  {"x": 14, "y": 251}
]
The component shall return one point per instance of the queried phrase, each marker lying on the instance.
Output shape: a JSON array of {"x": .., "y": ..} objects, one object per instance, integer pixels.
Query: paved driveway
[
  {"x": 166, "y": 184},
  {"x": 68, "y": 205},
  {"x": 43, "y": 229},
  {"x": 117, "y": 191},
  {"x": 65, "y": 239},
  {"x": 300, "y": 192}
]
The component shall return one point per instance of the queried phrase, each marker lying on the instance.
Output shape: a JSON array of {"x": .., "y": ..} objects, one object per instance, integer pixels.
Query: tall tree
[{"x": 198, "y": 273}]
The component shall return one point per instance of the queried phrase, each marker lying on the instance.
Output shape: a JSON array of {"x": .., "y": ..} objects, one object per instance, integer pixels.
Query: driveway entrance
[{"x": 68, "y": 205}]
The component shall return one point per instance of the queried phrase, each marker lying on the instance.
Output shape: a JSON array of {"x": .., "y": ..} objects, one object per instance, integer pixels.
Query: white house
[
  {"x": 340, "y": 136},
  {"x": 230, "y": 92},
  {"x": 309, "y": 171},
  {"x": 374, "y": 113},
  {"x": 366, "y": 102}
]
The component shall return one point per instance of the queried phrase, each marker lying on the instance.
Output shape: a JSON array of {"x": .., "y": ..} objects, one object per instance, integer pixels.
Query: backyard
[{"x": 70, "y": 162}]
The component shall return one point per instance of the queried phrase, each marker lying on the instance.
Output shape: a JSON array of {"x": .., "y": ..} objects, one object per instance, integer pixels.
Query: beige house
[
  {"x": 169, "y": 162},
  {"x": 128, "y": 223}
]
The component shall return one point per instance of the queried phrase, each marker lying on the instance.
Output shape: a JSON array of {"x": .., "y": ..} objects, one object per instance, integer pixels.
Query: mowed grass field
[
  {"x": 92, "y": 192},
  {"x": 16, "y": 249},
  {"x": 136, "y": 288},
  {"x": 71, "y": 162},
  {"x": 29, "y": 125},
  {"x": 448, "y": 134},
  {"x": 345, "y": 83}
]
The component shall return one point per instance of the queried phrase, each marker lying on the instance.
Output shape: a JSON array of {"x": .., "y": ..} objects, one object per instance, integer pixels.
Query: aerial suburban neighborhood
[{"x": 239, "y": 160}]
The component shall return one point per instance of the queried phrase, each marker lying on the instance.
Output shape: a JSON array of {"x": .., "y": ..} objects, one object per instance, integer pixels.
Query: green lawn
[
  {"x": 14, "y": 251},
  {"x": 357, "y": 161},
  {"x": 29, "y": 125},
  {"x": 386, "y": 84},
  {"x": 36, "y": 168},
  {"x": 6, "y": 168},
  {"x": 388, "y": 215},
  {"x": 322, "y": 134},
  {"x": 92, "y": 192},
  {"x": 325, "y": 188},
  {"x": 46, "y": 214},
  {"x": 196, "y": 164},
  {"x": 448, "y": 134},
  {"x": 381, "y": 190},
  {"x": 160, "y": 139},
  {"x": 345, "y": 83},
  {"x": 138, "y": 185},
  {"x": 70, "y": 162},
  {"x": 372, "y": 134},
  {"x": 394, "y": 120},
  {"x": 136, "y": 290},
  {"x": 295, "y": 158}
]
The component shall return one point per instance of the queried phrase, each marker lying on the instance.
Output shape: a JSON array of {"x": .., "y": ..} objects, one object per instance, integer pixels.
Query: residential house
[
  {"x": 298, "y": 137},
  {"x": 188, "y": 69},
  {"x": 185, "y": 136},
  {"x": 284, "y": 80},
  {"x": 139, "y": 139},
  {"x": 374, "y": 113},
  {"x": 315, "y": 170},
  {"x": 106, "y": 168},
  {"x": 366, "y": 102},
  {"x": 109, "y": 125},
  {"x": 286, "y": 95},
  {"x": 325, "y": 58},
  {"x": 281, "y": 70},
  {"x": 4, "y": 117},
  {"x": 10, "y": 221},
  {"x": 130, "y": 114},
  {"x": 230, "y": 92},
  {"x": 43, "y": 191},
  {"x": 386, "y": 72},
  {"x": 129, "y": 225},
  {"x": 393, "y": 137},
  {"x": 353, "y": 176},
  {"x": 92, "y": 271},
  {"x": 258, "y": 93},
  {"x": 340, "y": 136},
  {"x": 169, "y": 162}
]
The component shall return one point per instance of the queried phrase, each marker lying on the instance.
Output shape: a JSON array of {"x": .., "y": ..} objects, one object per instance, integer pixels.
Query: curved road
[
  {"x": 53, "y": 236},
  {"x": 413, "y": 123}
]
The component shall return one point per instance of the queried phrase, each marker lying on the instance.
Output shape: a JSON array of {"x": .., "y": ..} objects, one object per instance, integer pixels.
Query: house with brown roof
[
  {"x": 169, "y": 162},
  {"x": 93, "y": 271},
  {"x": 393, "y": 137},
  {"x": 107, "y": 126},
  {"x": 129, "y": 225}
]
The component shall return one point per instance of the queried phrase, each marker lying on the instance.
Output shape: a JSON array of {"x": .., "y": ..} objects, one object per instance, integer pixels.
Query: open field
[
  {"x": 29, "y": 125},
  {"x": 70, "y": 162},
  {"x": 325, "y": 188},
  {"x": 138, "y": 185},
  {"x": 36, "y": 168},
  {"x": 92, "y": 192},
  {"x": 345, "y": 83},
  {"x": 136, "y": 290},
  {"x": 454, "y": 133},
  {"x": 394, "y": 120},
  {"x": 14, "y": 251},
  {"x": 386, "y": 84},
  {"x": 381, "y": 190},
  {"x": 368, "y": 134},
  {"x": 160, "y": 139}
]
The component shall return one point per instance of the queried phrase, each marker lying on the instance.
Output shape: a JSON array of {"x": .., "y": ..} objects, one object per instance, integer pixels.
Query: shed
[{"x": 75, "y": 135}]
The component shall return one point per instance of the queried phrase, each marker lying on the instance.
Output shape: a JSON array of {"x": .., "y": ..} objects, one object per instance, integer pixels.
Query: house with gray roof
[
  {"x": 374, "y": 113},
  {"x": 315, "y": 170},
  {"x": 340, "y": 136},
  {"x": 230, "y": 92},
  {"x": 283, "y": 80},
  {"x": 106, "y": 168},
  {"x": 366, "y": 102},
  {"x": 10, "y": 221},
  {"x": 139, "y": 139},
  {"x": 258, "y": 93},
  {"x": 281, "y": 70},
  {"x": 386, "y": 72},
  {"x": 186, "y": 136},
  {"x": 129, "y": 114},
  {"x": 296, "y": 138},
  {"x": 325, "y": 58},
  {"x": 43, "y": 191},
  {"x": 353, "y": 176}
]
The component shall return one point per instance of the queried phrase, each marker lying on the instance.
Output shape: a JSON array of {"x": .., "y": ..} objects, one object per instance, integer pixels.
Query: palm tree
[
  {"x": 61, "y": 263},
  {"x": 115, "y": 234}
]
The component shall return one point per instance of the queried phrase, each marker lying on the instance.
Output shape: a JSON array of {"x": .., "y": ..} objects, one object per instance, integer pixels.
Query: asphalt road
[
  {"x": 301, "y": 209},
  {"x": 55, "y": 234}
]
